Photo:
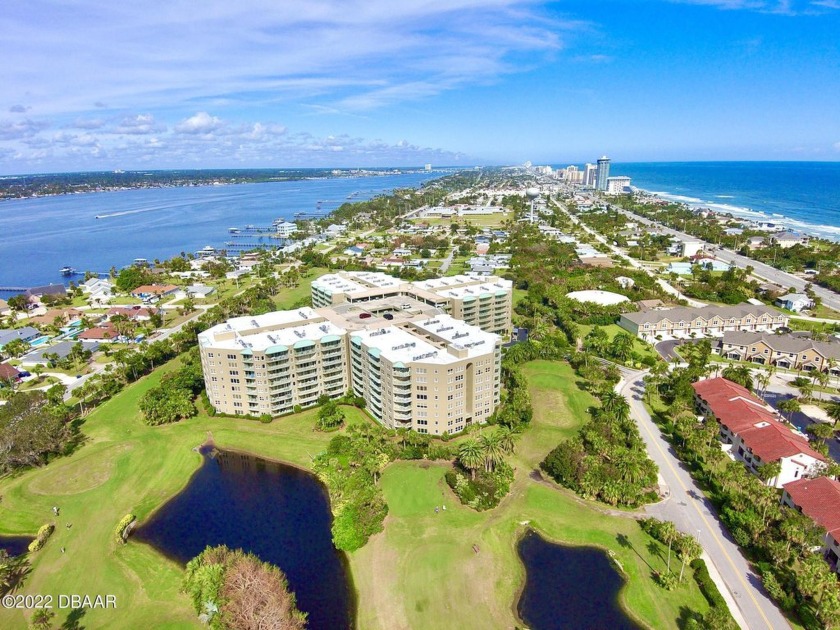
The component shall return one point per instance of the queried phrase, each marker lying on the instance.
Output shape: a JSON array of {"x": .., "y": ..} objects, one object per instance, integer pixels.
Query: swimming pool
[{"x": 40, "y": 341}]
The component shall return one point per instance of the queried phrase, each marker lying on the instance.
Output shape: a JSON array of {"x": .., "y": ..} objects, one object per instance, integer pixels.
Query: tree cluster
[
  {"x": 607, "y": 459},
  {"x": 173, "y": 399},
  {"x": 233, "y": 590},
  {"x": 33, "y": 427}
]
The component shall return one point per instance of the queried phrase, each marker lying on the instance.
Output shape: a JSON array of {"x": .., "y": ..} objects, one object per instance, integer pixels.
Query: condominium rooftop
[
  {"x": 261, "y": 332},
  {"x": 438, "y": 340},
  {"x": 444, "y": 285}
]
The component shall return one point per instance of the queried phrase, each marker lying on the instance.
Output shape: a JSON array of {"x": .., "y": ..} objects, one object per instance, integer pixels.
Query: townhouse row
[
  {"x": 754, "y": 434},
  {"x": 709, "y": 321}
]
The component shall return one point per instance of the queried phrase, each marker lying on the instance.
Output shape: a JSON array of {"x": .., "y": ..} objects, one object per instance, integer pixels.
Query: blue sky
[{"x": 263, "y": 83}]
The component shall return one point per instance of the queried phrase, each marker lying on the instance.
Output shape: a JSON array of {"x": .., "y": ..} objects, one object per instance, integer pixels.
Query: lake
[
  {"x": 278, "y": 512},
  {"x": 15, "y": 545},
  {"x": 569, "y": 587}
]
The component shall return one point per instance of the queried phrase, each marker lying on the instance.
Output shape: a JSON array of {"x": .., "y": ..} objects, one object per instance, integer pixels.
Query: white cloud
[
  {"x": 200, "y": 123},
  {"x": 133, "y": 56},
  {"x": 13, "y": 130},
  {"x": 139, "y": 125}
]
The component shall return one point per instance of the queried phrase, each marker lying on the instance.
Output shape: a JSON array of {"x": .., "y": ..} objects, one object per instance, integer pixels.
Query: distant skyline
[{"x": 100, "y": 86}]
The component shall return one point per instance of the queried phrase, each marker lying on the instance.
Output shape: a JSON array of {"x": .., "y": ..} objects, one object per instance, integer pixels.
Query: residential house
[
  {"x": 105, "y": 332},
  {"x": 752, "y": 432},
  {"x": 8, "y": 374},
  {"x": 27, "y": 334},
  {"x": 354, "y": 251},
  {"x": 61, "y": 350},
  {"x": 34, "y": 293},
  {"x": 790, "y": 352},
  {"x": 148, "y": 291},
  {"x": 4, "y": 308},
  {"x": 688, "y": 322},
  {"x": 795, "y": 302},
  {"x": 819, "y": 500},
  {"x": 285, "y": 228},
  {"x": 756, "y": 242},
  {"x": 787, "y": 239},
  {"x": 197, "y": 291},
  {"x": 134, "y": 313}
]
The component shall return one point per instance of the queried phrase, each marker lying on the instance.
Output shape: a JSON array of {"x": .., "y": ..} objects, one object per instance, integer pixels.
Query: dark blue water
[
  {"x": 39, "y": 236},
  {"x": 15, "y": 545},
  {"x": 278, "y": 512},
  {"x": 569, "y": 587},
  {"x": 803, "y": 196}
]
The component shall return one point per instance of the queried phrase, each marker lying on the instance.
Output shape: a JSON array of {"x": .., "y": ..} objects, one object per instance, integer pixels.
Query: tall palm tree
[
  {"x": 507, "y": 438},
  {"x": 668, "y": 534},
  {"x": 471, "y": 456},
  {"x": 493, "y": 452}
]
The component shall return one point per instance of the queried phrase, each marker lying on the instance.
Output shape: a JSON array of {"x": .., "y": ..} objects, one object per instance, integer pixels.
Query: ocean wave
[{"x": 830, "y": 232}]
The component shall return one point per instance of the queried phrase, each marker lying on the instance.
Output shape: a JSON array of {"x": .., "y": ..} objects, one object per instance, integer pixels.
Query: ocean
[
  {"x": 802, "y": 196},
  {"x": 42, "y": 235}
]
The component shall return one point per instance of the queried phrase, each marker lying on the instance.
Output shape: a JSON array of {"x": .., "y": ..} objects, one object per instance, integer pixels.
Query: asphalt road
[
  {"x": 694, "y": 514},
  {"x": 762, "y": 270},
  {"x": 667, "y": 349}
]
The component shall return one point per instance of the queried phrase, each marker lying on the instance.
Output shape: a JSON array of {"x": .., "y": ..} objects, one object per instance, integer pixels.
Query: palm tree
[
  {"x": 833, "y": 411},
  {"x": 507, "y": 438},
  {"x": 790, "y": 406},
  {"x": 493, "y": 452},
  {"x": 687, "y": 549},
  {"x": 615, "y": 405},
  {"x": 471, "y": 456},
  {"x": 668, "y": 534}
]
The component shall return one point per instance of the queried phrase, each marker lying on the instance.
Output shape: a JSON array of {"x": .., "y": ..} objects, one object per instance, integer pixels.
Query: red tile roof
[
  {"x": 819, "y": 500},
  {"x": 747, "y": 416},
  {"x": 8, "y": 371},
  {"x": 108, "y": 331}
]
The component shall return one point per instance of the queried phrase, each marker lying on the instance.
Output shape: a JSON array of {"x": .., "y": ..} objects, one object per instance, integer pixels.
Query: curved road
[{"x": 694, "y": 514}]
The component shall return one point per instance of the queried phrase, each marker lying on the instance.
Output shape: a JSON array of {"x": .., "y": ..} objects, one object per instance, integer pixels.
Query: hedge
[
  {"x": 122, "y": 526},
  {"x": 41, "y": 538}
]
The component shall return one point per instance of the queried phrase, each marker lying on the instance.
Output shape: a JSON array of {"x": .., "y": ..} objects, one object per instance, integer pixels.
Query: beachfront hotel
[
  {"x": 485, "y": 301},
  {"x": 416, "y": 366}
]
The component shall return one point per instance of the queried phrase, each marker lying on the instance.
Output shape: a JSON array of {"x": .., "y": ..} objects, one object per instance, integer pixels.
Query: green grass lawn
[
  {"x": 421, "y": 572},
  {"x": 287, "y": 298},
  {"x": 123, "y": 467}
]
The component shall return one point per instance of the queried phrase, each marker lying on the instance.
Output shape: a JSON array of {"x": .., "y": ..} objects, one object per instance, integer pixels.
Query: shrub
[
  {"x": 486, "y": 491},
  {"x": 121, "y": 532},
  {"x": 266, "y": 418},
  {"x": 41, "y": 537},
  {"x": 232, "y": 589}
]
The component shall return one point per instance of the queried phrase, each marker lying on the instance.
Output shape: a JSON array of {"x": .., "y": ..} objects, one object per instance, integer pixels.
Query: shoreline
[{"x": 823, "y": 231}]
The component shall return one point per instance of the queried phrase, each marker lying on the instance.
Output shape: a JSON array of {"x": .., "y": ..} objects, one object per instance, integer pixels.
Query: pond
[
  {"x": 15, "y": 545},
  {"x": 278, "y": 512},
  {"x": 569, "y": 587}
]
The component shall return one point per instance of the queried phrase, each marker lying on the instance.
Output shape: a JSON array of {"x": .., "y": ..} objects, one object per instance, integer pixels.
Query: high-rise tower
[{"x": 603, "y": 173}]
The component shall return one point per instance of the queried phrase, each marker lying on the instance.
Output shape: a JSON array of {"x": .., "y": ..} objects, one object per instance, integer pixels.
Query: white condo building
[{"x": 390, "y": 342}]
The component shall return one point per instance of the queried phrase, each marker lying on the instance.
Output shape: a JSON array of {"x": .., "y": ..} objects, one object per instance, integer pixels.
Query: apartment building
[
  {"x": 486, "y": 302},
  {"x": 714, "y": 321},
  {"x": 785, "y": 351},
  {"x": 416, "y": 367},
  {"x": 753, "y": 433},
  {"x": 269, "y": 363},
  {"x": 819, "y": 500}
]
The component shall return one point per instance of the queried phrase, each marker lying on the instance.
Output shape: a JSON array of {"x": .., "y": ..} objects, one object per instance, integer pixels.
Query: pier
[{"x": 20, "y": 289}]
